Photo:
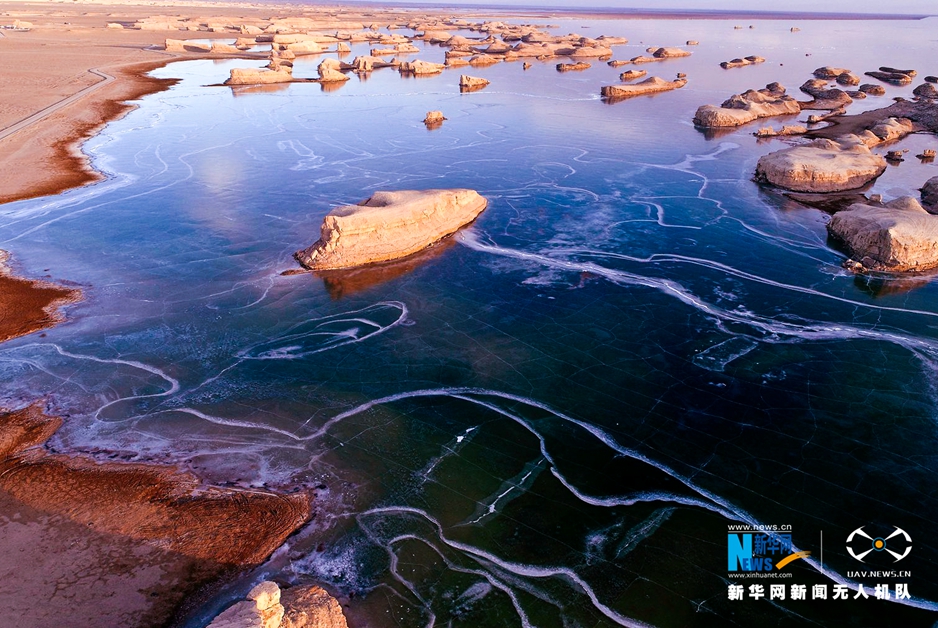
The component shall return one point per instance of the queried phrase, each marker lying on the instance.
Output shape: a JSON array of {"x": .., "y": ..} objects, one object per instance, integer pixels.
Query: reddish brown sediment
[
  {"x": 29, "y": 306},
  {"x": 132, "y": 543}
]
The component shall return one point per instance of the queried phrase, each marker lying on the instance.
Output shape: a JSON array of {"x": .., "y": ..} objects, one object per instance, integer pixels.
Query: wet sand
[
  {"x": 29, "y": 306},
  {"x": 119, "y": 544}
]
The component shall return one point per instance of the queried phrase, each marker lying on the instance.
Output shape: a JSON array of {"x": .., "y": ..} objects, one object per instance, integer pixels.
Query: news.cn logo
[
  {"x": 760, "y": 550},
  {"x": 861, "y": 544}
]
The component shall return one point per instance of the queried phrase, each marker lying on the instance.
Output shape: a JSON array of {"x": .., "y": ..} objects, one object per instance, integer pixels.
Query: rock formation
[
  {"x": 434, "y": 119},
  {"x": 828, "y": 73},
  {"x": 670, "y": 53},
  {"x": 898, "y": 237},
  {"x": 262, "y": 609},
  {"x": 228, "y": 49},
  {"x": 631, "y": 75},
  {"x": 926, "y": 90},
  {"x": 296, "y": 607},
  {"x": 471, "y": 83},
  {"x": 784, "y": 131},
  {"x": 895, "y": 78},
  {"x": 421, "y": 67},
  {"x": 651, "y": 85},
  {"x": 568, "y": 67},
  {"x": 847, "y": 78},
  {"x": 255, "y": 76},
  {"x": 388, "y": 226},
  {"x": 181, "y": 45},
  {"x": 311, "y": 607},
  {"x": 888, "y": 70},
  {"x": 746, "y": 107},
  {"x": 738, "y": 63},
  {"x": 821, "y": 166},
  {"x": 824, "y": 97},
  {"x": 873, "y": 90},
  {"x": 330, "y": 71}
]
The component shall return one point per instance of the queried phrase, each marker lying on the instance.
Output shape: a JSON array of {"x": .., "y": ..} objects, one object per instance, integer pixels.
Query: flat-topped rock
[
  {"x": 739, "y": 63},
  {"x": 669, "y": 53},
  {"x": 821, "y": 166},
  {"x": 261, "y": 76},
  {"x": 746, "y": 107},
  {"x": 898, "y": 237},
  {"x": 182, "y": 45},
  {"x": 631, "y": 75},
  {"x": 829, "y": 73},
  {"x": 786, "y": 130},
  {"x": 894, "y": 78},
  {"x": 311, "y": 607},
  {"x": 471, "y": 83},
  {"x": 573, "y": 67},
  {"x": 421, "y": 67},
  {"x": 651, "y": 85},
  {"x": 872, "y": 90},
  {"x": 388, "y": 226}
]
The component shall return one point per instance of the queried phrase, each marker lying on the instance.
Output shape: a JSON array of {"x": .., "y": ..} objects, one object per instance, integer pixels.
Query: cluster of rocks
[
  {"x": 746, "y": 107},
  {"x": 267, "y": 606},
  {"x": 832, "y": 165}
]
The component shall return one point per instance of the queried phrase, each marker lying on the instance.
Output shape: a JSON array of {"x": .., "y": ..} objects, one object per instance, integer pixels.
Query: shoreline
[
  {"x": 158, "y": 537},
  {"x": 30, "y": 305},
  {"x": 55, "y": 140}
]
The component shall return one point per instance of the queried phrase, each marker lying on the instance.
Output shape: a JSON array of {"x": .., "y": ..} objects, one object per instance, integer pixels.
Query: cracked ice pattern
[{"x": 549, "y": 420}]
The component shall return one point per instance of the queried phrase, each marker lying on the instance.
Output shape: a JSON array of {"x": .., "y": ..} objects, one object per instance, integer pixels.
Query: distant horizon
[{"x": 906, "y": 8}]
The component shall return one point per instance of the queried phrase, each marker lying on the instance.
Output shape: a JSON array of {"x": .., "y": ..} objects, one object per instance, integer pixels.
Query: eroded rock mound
[
  {"x": 739, "y": 63},
  {"x": 269, "y": 607},
  {"x": 260, "y": 76},
  {"x": 895, "y": 78},
  {"x": 421, "y": 67},
  {"x": 746, "y": 107},
  {"x": 311, "y": 607},
  {"x": 631, "y": 75},
  {"x": 471, "y": 83},
  {"x": 651, "y": 85},
  {"x": 670, "y": 53},
  {"x": 828, "y": 73},
  {"x": 571, "y": 67},
  {"x": 930, "y": 192},
  {"x": 899, "y": 237},
  {"x": 388, "y": 226},
  {"x": 821, "y": 166}
]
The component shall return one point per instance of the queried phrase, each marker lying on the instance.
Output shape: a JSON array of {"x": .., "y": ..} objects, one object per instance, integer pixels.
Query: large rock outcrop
[
  {"x": 651, "y": 85},
  {"x": 311, "y": 607},
  {"x": 746, "y": 107},
  {"x": 421, "y": 67},
  {"x": 262, "y": 609},
  {"x": 898, "y": 237},
  {"x": 269, "y": 607},
  {"x": 259, "y": 76},
  {"x": 821, "y": 166},
  {"x": 388, "y": 226}
]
